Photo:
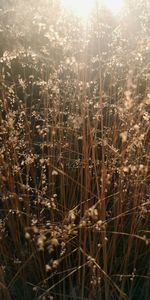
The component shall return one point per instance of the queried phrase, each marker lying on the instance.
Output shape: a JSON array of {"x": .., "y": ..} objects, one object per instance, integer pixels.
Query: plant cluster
[{"x": 74, "y": 155}]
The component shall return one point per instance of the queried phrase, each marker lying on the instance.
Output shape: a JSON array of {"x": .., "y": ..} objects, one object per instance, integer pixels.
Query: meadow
[{"x": 74, "y": 152}]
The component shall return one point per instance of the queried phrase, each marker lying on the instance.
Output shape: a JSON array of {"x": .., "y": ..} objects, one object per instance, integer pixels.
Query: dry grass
[{"x": 74, "y": 157}]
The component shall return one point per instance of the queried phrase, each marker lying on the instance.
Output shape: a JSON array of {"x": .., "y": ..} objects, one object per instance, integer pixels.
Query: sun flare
[
  {"x": 115, "y": 6},
  {"x": 83, "y": 8}
]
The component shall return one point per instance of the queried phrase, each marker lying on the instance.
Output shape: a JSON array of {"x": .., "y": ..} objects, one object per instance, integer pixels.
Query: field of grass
[{"x": 74, "y": 152}]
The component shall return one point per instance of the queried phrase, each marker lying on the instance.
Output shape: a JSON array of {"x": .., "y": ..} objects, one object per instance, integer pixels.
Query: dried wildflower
[
  {"x": 124, "y": 135},
  {"x": 70, "y": 218},
  {"x": 91, "y": 261},
  {"x": 48, "y": 268},
  {"x": 126, "y": 169},
  {"x": 54, "y": 242},
  {"x": 99, "y": 225},
  {"x": 55, "y": 264},
  {"x": 29, "y": 160},
  {"x": 40, "y": 241},
  {"x": 27, "y": 235},
  {"x": 92, "y": 212},
  {"x": 54, "y": 173}
]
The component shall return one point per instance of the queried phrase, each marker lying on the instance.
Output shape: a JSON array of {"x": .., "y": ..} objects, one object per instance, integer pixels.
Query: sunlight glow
[
  {"x": 114, "y": 6},
  {"x": 82, "y": 8}
]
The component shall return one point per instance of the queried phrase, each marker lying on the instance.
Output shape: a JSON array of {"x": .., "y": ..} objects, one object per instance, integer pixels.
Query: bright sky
[{"x": 82, "y": 8}]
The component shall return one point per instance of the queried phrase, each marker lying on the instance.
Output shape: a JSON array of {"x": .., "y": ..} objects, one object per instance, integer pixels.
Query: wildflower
[
  {"x": 92, "y": 212},
  {"x": 40, "y": 241},
  {"x": 54, "y": 173},
  {"x": 48, "y": 268},
  {"x": 54, "y": 242},
  {"x": 29, "y": 160},
  {"x": 27, "y": 235},
  {"x": 124, "y": 136},
  {"x": 55, "y": 264}
]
